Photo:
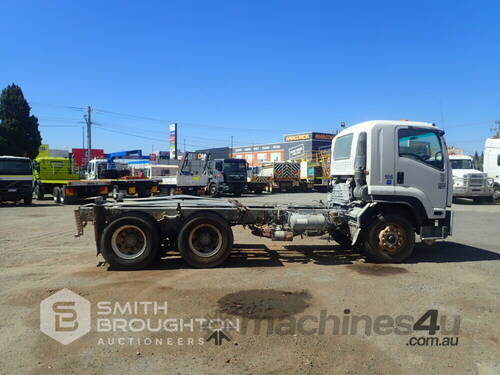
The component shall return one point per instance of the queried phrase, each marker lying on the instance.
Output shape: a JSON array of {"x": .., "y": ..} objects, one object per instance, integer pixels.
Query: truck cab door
[{"x": 422, "y": 168}]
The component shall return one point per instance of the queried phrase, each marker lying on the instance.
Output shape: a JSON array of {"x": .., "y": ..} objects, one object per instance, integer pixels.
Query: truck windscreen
[
  {"x": 15, "y": 167},
  {"x": 461, "y": 164},
  {"x": 235, "y": 166}
]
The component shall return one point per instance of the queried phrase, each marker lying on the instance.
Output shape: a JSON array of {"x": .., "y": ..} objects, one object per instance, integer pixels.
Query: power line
[{"x": 73, "y": 108}]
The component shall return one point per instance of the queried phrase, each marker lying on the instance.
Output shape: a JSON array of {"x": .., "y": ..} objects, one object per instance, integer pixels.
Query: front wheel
[
  {"x": 130, "y": 242},
  {"x": 214, "y": 192},
  {"x": 389, "y": 238},
  {"x": 205, "y": 241}
]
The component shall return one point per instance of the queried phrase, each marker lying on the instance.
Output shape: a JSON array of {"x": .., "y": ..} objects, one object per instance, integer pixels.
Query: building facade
[{"x": 293, "y": 147}]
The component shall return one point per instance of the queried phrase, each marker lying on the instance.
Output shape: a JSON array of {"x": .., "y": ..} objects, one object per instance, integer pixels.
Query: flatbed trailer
[
  {"x": 70, "y": 191},
  {"x": 142, "y": 187}
]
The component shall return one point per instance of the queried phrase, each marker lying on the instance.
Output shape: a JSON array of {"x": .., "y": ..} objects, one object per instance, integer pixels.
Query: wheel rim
[
  {"x": 35, "y": 192},
  {"x": 392, "y": 238},
  {"x": 213, "y": 190},
  {"x": 56, "y": 196},
  {"x": 129, "y": 242},
  {"x": 115, "y": 193},
  {"x": 205, "y": 240}
]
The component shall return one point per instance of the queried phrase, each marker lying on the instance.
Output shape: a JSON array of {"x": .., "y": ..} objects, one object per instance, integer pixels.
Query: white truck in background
[
  {"x": 165, "y": 174},
  {"x": 390, "y": 180},
  {"x": 491, "y": 163},
  {"x": 469, "y": 182}
]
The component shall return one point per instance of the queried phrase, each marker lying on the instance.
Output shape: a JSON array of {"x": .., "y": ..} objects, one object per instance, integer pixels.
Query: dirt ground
[{"x": 293, "y": 299}]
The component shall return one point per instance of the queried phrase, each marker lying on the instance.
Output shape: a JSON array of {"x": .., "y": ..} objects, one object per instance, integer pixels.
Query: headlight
[
  {"x": 458, "y": 182},
  {"x": 490, "y": 182}
]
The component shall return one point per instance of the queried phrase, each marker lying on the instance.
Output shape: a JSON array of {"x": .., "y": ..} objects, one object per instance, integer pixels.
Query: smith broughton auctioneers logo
[{"x": 65, "y": 316}]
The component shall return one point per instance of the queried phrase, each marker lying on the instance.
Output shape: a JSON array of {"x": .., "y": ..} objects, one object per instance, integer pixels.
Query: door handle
[{"x": 400, "y": 178}]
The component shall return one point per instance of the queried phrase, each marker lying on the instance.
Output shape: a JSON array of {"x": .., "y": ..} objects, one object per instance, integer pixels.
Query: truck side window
[
  {"x": 342, "y": 147},
  {"x": 218, "y": 165},
  {"x": 421, "y": 145},
  {"x": 498, "y": 160}
]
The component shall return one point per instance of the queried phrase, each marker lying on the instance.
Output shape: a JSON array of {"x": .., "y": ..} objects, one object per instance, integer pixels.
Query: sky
[{"x": 250, "y": 70}]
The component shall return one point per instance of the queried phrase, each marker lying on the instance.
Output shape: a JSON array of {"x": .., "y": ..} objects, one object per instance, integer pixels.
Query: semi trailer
[{"x": 390, "y": 181}]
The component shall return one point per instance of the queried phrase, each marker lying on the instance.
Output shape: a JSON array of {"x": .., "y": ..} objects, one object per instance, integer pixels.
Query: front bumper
[{"x": 471, "y": 192}]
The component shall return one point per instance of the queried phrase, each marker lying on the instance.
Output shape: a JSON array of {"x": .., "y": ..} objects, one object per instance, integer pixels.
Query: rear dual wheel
[
  {"x": 130, "y": 242},
  {"x": 56, "y": 194},
  {"x": 60, "y": 197},
  {"x": 37, "y": 192},
  {"x": 205, "y": 241}
]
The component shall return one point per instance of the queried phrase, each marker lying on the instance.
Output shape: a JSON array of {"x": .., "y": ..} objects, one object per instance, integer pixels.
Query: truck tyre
[
  {"x": 389, "y": 238},
  {"x": 205, "y": 241},
  {"x": 477, "y": 200},
  {"x": 56, "y": 194},
  {"x": 37, "y": 192},
  {"x": 130, "y": 242},
  {"x": 213, "y": 191},
  {"x": 28, "y": 200},
  {"x": 63, "y": 199},
  {"x": 115, "y": 192}
]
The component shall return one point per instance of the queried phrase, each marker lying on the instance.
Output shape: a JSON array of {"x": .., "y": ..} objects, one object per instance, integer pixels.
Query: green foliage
[
  {"x": 19, "y": 134},
  {"x": 477, "y": 161}
]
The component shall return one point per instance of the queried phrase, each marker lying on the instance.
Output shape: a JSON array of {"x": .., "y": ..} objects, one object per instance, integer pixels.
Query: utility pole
[
  {"x": 88, "y": 120},
  {"x": 231, "y": 146}
]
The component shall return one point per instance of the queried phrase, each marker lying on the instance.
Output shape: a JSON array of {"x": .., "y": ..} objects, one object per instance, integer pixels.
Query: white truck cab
[
  {"x": 469, "y": 182},
  {"x": 165, "y": 174},
  {"x": 393, "y": 169}
]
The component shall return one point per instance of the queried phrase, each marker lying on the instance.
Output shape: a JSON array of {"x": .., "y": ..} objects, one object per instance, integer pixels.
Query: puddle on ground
[
  {"x": 377, "y": 269},
  {"x": 264, "y": 303}
]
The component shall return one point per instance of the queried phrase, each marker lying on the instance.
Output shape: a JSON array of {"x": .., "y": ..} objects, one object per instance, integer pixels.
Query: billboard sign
[{"x": 173, "y": 140}]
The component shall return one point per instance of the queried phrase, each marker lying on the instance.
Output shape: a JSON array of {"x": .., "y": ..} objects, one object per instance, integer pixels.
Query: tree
[
  {"x": 19, "y": 134},
  {"x": 475, "y": 160}
]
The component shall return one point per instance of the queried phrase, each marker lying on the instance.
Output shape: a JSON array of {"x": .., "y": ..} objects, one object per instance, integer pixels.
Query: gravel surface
[{"x": 289, "y": 302}]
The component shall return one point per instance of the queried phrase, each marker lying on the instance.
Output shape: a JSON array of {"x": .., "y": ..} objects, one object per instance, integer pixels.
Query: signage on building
[
  {"x": 173, "y": 140},
  {"x": 307, "y": 136},
  {"x": 296, "y": 151},
  {"x": 297, "y": 137},
  {"x": 323, "y": 136}
]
